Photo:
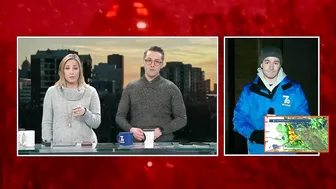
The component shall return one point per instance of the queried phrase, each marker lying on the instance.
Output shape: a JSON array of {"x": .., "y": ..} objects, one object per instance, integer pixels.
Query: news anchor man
[
  {"x": 71, "y": 108},
  {"x": 271, "y": 92},
  {"x": 152, "y": 102}
]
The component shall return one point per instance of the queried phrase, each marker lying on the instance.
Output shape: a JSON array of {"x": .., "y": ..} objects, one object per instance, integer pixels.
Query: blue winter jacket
[{"x": 287, "y": 99}]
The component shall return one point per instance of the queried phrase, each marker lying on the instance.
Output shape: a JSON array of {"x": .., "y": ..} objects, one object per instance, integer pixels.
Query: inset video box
[{"x": 296, "y": 134}]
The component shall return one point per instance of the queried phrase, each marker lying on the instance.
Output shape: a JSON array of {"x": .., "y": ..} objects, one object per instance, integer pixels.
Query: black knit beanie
[{"x": 268, "y": 51}]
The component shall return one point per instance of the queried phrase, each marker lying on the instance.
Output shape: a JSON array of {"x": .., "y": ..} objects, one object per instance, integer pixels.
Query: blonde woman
[{"x": 71, "y": 108}]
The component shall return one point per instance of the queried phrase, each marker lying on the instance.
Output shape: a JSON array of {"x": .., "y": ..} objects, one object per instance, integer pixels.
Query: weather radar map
[{"x": 296, "y": 134}]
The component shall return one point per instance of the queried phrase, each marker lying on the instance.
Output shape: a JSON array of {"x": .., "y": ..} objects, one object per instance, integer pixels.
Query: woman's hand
[{"x": 78, "y": 111}]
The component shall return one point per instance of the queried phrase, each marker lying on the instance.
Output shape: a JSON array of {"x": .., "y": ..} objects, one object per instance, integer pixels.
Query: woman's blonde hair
[{"x": 62, "y": 81}]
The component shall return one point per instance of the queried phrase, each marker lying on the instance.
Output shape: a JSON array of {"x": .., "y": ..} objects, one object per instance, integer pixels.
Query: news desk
[{"x": 161, "y": 148}]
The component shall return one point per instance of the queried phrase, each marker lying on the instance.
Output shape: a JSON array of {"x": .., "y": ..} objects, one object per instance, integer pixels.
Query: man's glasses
[{"x": 150, "y": 61}]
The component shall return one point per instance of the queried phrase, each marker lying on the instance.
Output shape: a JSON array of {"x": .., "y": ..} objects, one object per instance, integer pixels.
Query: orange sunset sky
[{"x": 199, "y": 52}]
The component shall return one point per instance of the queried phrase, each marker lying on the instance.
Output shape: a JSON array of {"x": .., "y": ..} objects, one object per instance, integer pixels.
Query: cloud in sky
[{"x": 200, "y": 52}]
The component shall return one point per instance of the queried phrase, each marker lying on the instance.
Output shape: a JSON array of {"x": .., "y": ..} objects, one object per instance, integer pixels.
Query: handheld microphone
[{"x": 271, "y": 111}]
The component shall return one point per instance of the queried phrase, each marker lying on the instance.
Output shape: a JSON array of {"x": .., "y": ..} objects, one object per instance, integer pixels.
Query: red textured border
[{"x": 258, "y": 18}]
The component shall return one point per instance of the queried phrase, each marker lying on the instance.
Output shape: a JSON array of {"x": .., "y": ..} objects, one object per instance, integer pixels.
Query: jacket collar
[{"x": 155, "y": 82}]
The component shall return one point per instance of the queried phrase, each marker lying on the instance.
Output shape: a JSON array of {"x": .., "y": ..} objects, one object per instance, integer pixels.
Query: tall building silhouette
[
  {"x": 24, "y": 84},
  {"x": 24, "y": 72},
  {"x": 87, "y": 67},
  {"x": 107, "y": 78},
  {"x": 24, "y": 91},
  {"x": 180, "y": 75},
  {"x": 197, "y": 84},
  {"x": 117, "y": 61},
  {"x": 207, "y": 86}
]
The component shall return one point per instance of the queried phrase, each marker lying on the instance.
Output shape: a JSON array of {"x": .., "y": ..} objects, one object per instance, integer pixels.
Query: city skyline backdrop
[{"x": 199, "y": 52}]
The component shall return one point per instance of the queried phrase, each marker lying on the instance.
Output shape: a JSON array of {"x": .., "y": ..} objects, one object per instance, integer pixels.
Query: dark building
[
  {"x": 197, "y": 84},
  {"x": 87, "y": 67},
  {"x": 25, "y": 69},
  {"x": 187, "y": 78},
  {"x": 104, "y": 86},
  {"x": 24, "y": 91},
  {"x": 106, "y": 76},
  {"x": 117, "y": 61},
  {"x": 180, "y": 75},
  {"x": 215, "y": 88},
  {"x": 207, "y": 86},
  {"x": 108, "y": 79},
  {"x": 24, "y": 84}
]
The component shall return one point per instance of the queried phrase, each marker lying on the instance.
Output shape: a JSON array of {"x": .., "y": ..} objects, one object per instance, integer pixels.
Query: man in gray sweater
[{"x": 152, "y": 102}]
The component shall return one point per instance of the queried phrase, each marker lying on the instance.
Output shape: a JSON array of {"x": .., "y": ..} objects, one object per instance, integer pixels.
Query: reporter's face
[
  {"x": 71, "y": 71},
  {"x": 271, "y": 67}
]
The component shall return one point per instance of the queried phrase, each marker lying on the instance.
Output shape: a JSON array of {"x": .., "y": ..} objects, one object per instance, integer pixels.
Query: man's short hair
[{"x": 155, "y": 49}]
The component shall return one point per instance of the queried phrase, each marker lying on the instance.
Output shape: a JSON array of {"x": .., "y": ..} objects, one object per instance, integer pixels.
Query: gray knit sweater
[
  {"x": 57, "y": 114},
  {"x": 158, "y": 103}
]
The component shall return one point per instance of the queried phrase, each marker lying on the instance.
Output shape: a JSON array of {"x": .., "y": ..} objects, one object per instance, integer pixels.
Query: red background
[{"x": 73, "y": 17}]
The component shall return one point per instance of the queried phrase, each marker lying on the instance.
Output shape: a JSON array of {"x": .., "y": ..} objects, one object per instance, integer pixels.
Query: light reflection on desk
[{"x": 161, "y": 148}]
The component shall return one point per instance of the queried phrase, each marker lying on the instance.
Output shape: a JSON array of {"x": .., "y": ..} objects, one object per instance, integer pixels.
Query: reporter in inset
[{"x": 270, "y": 90}]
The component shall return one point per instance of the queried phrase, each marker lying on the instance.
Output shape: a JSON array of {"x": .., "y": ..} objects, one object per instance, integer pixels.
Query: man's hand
[
  {"x": 157, "y": 133},
  {"x": 137, "y": 133}
]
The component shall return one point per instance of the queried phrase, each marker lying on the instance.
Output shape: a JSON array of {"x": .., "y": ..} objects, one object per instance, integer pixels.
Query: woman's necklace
[{"x": 69, "y": 114}]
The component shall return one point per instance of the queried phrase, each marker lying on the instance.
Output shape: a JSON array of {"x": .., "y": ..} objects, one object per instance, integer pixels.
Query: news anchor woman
[{"x": 71, "y": 108}]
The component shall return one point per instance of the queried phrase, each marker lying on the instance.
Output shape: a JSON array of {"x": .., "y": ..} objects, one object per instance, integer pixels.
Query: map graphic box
[{"x": 296, "y": 134}]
